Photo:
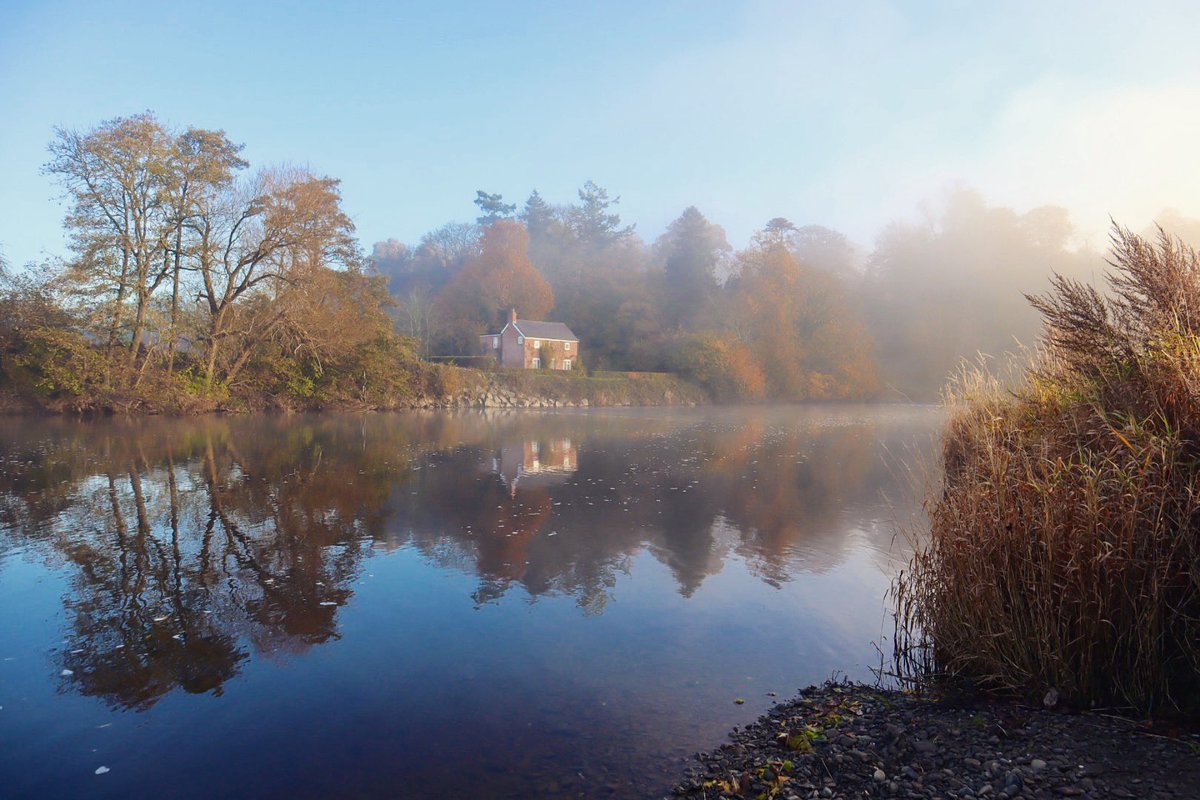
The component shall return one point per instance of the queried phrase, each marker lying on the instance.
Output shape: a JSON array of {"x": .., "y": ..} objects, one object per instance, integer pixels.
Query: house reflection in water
[{"x": 534, "y": 463}]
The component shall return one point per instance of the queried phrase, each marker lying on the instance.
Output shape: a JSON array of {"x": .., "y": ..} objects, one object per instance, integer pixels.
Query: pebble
[{"x": 933, "y": 748}]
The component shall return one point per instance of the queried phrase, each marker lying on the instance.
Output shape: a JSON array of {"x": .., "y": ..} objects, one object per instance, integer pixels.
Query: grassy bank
[
  {"x": 1064, "y": 548},
  {"x": 407, "y": 384},
  {"x": 455, "y": 386}
]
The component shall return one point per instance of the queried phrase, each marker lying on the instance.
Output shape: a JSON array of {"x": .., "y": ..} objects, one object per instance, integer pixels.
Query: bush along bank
[
  {"x": 844, "y": 740},
  {"x": 1064, "y": 545}
]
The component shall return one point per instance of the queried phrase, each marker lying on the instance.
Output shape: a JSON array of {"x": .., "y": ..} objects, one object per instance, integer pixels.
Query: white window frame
[
  {"x": 495, "y": 342},
  {"x": 537, "y": 343},
  {"x": 520, "y": 340},
  {"x": 536, "y": 363},
  {"x": 566, "y": 363},
  {"x": 566, "y": 346}
]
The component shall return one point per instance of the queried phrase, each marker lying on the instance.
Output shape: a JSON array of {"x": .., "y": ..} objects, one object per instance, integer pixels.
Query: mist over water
[{"x": 520, "y": 604}]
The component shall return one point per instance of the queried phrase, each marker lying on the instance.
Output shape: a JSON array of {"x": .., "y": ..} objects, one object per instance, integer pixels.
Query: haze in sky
[{"x": 847, "y": 115}]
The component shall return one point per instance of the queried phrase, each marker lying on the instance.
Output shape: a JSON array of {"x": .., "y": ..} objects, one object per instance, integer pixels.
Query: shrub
[
  {"x": 723, "y": 367},
  {"x": 1064, "y": 541}
]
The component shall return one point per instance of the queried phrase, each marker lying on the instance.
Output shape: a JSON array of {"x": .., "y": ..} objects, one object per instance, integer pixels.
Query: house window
[
  {"x": 536, "y": 344},
  {"x": 495, "y": 342},
  {"x": 520, "y": 340},
  {"x": 537, "y": 363},
  {"x": 566, "y": 363},
  {"x": 567, "y": 346}
]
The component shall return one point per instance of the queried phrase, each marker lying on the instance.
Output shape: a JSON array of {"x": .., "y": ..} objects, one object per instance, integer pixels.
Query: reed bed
[{"x": 1064, "y": 543}]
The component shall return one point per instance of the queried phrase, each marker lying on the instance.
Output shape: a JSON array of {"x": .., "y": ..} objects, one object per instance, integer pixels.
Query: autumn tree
[
  {"x": 499, "y": 278},
  {"x": 721, "y": 364},
  {"x": 261, "y": 241},
  {"x": 117, "y": 177},
  {"x": 799, "y": 327},
  {"x": 201, "y": 164}
]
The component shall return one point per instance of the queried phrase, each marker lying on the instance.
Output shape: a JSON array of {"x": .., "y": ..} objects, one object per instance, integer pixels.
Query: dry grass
[{"x": 1064, "y": 545}]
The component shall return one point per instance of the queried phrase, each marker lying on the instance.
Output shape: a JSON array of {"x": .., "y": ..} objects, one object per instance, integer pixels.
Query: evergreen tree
[
  {"x": 592, "y": 222},
  {"x": 537, "y": 215},
  {"x": 493, "y": 207},
  {"x": 692, "y": 248}
]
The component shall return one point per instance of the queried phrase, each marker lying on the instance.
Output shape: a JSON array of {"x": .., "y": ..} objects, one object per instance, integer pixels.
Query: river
[{"x": 477, "y": 604}]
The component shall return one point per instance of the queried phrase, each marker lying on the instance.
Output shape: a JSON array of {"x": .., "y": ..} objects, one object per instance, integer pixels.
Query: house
[{"x": 531, "y": 344}]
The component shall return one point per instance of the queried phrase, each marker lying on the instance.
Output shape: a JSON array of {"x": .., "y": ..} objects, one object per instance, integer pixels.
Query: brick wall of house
[{"x": 552, "y": 353}]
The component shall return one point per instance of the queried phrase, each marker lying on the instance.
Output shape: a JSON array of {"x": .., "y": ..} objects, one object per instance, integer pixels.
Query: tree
[
  {"x": 392, "y": 259},
  {"x": 592, "y": 222},
  {"x": 261, "y": 241},
  {"x": 825, "y": 249},
  {"x": 416, "y": 316},
  {"x": 538, "y": 216},
  {"x": 778, "y": 230},
  {"x": 499, "y": 278},
  {"x": 202, "y": 163},
  {"x": 722, "y": 365},
  {"x": 493, "y": 207},
  {"x": 118, "y": 179},
  {"x": 800, "y": 328},
  {"x": 692, "y": 247},
  {"x": 450, "y": 246}
]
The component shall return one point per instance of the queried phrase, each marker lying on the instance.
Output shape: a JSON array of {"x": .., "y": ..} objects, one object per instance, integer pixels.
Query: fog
[{"x": 800, "y": 311}]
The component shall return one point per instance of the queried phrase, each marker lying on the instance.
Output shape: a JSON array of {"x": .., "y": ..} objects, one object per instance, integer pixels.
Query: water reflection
[{"x": 194, "y": 545}]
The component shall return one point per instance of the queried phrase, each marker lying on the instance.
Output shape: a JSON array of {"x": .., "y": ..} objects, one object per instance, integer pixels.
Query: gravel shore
[{"x": 855, "y": 741}]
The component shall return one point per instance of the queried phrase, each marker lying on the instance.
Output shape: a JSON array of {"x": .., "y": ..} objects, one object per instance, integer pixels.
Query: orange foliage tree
[
  {"x": 800, "y": 328},
  {"x": 499, "y": 278},
  {"x": 721, "y": 364}
]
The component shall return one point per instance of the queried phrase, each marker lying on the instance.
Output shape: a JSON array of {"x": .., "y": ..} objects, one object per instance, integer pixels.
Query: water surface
[{"x": 430, "y": 605}]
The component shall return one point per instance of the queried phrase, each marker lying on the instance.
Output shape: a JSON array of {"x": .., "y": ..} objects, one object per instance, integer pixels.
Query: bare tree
[{"x": 417, "y": 318}]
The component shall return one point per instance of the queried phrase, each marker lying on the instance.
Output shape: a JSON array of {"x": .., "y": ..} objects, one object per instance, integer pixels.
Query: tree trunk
[
  {"x": 139, "y": 325},
  {"x": 174, "y": 300},
  {"x": 119, "y": 305}
]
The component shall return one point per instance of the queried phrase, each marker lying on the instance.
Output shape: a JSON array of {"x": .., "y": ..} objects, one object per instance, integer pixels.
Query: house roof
[{"x": 535, "y": 329}]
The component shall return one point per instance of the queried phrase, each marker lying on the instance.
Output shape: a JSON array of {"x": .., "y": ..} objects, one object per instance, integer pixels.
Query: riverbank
[
  {"x": 431, "y": 387},
  {"x": 848, "y": 741},
  {"x": 455, "y": 387}
]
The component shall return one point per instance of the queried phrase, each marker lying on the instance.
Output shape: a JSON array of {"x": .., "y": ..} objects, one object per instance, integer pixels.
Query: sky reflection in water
[{"x": 430, "y": 604}]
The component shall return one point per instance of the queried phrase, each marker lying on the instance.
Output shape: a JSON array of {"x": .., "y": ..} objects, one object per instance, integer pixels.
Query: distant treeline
[{"x": 801, "y": 312}]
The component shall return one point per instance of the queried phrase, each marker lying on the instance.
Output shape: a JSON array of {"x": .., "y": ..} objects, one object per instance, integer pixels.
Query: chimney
[{"x": 512, "y": 315}]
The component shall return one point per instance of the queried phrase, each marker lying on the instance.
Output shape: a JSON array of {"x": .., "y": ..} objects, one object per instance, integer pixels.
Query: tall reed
[{"x": 1064, "y": 542}]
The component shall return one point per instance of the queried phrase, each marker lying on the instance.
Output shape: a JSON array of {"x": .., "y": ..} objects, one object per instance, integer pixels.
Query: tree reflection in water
[{"x": 192, "y": 544}]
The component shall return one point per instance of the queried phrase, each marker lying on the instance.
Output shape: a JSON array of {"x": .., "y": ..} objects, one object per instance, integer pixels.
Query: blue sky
[{"x": 844, "y": 114}]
